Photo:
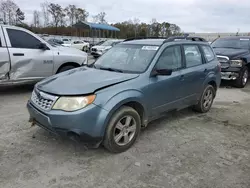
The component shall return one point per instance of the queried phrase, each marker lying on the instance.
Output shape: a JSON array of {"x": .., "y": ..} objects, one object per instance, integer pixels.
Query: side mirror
[
  {"x": 162, "y": 72},
  {"x": 43, "y": 46}
]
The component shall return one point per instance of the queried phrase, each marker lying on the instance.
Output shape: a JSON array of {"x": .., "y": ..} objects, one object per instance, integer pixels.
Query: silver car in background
[{"x": 98, "y": 50}]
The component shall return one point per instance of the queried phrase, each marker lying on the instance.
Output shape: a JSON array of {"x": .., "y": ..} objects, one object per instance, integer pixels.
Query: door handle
[{"x": 18, "y": 54}]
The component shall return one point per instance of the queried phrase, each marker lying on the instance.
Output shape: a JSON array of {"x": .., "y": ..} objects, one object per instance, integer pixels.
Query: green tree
[
  {"x": 81, "y": 15},
  {"x": 56, "y": 12},
  {"x": 71, "y": 12}
]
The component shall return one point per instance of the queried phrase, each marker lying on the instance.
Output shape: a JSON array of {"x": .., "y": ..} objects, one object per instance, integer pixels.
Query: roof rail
[
  {"x": 171, "y": 39},
  {"x": 140, "y": 38}
]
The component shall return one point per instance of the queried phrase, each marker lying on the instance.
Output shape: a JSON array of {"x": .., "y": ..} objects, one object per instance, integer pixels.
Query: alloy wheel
[
  {"x": 124, "y": 130},
  {"x": 208, "y": 99}
]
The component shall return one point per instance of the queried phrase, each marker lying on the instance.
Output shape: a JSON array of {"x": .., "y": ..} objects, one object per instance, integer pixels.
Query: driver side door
[
  {"x": 27, "y": 60},
  {"x": 165, "y": 90}
]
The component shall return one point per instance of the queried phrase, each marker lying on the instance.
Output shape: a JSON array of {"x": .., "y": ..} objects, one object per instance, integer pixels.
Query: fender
[
  {"x": 121, "y": 98},
  {"x": 210, "y": 77}
]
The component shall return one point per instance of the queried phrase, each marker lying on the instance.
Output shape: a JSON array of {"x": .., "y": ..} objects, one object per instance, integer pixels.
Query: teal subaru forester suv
[{"x": 132, "y": 84}]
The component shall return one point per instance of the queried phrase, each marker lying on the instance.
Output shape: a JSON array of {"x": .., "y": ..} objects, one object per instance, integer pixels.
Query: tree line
[{"x": 54, "y": 19}]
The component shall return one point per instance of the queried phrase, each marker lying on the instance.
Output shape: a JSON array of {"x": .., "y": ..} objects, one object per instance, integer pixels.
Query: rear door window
[
  {"x": 192, "y": 55},
  {"x": 208, "y": 52},
  {"x": 22, "y": 39}
]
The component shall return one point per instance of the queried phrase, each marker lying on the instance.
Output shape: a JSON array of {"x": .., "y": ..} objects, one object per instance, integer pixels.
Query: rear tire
[
  {"x": 242, "y": 79},
  {"x": 206, "y": 100},
  {"x": 65, "y": 68},
  {"x": 123, "y": 130}
]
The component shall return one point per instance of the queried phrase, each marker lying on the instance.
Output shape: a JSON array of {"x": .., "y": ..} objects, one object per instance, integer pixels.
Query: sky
[{"x": 190, "y": 15}]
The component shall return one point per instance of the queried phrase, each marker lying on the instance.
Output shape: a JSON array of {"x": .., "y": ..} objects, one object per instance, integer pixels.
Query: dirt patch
[{"x": 183, "y": 150}]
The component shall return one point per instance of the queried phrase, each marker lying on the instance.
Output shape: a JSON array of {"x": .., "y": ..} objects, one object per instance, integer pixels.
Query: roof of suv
[
  {"x": 160, "y": 41},
  {"x": 157, "y": 42}
]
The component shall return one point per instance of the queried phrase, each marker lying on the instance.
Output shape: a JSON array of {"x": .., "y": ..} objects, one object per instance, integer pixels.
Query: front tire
[
  {"x": 123, "y": 130},
  {"x": 242, "y": 79},
  {"x": 206, "y": 100}
]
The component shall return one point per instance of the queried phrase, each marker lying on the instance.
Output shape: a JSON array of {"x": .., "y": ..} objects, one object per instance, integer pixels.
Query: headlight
[
  {"x": 70, "y": 104},
  {"x": 236, "y": 63}
]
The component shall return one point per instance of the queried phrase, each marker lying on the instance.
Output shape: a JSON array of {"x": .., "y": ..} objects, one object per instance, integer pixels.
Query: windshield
[
  {"x": 127, "y": 58},
  {"x": 231, "y": 43}
]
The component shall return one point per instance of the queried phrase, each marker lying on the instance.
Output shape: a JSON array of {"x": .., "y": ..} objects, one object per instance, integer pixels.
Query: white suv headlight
[
  {"x": 70, "y": 104},
  {"x": 236, "y": 63}
]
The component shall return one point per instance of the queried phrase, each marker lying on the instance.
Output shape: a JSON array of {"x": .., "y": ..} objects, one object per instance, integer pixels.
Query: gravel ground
[{"x": 182, "y": 150}]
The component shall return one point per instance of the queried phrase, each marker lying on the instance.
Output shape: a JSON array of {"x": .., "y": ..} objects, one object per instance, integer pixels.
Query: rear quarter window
[{"x": 208, "y": 53}]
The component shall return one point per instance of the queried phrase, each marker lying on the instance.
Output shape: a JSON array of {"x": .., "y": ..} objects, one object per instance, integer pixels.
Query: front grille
[
  {"x": 43, "y": 100},
  {"x": 224, "y": 61}
]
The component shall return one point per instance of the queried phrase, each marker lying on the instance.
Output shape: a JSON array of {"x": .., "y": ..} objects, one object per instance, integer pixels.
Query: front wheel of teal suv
[{"x": 123, "y": 130}]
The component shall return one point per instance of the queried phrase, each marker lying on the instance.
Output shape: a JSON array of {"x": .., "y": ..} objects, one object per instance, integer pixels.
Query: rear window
[
  {"x": 192, "y": 55},
  {"x": 208, "y": 52}
]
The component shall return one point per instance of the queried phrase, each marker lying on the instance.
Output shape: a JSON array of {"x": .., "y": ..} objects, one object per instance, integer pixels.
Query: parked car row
[
  {"x": 78, "y": 44},
  {"x": 133, "y": 81}
]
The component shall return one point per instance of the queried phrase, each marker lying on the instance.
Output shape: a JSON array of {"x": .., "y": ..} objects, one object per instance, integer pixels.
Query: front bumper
[
  {"x": 231, "y": 73},
  {"x": 85, "y": 125}
]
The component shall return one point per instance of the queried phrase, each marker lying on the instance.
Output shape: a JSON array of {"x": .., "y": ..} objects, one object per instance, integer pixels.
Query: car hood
[
  {"x": 82, "y": 81},
  {"x": 230, "y": 52},
  {"x": 70, "y": 51}
]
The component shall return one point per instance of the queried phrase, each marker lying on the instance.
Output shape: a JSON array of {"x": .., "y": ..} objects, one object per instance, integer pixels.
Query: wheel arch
[
  {"x": 68, "y": 64},
  {"x": 210, "y": 80},
  {"x": 135, "y": 102},
  {"x": 213, "y": 83},
  {"x": 248, "y": 66}
]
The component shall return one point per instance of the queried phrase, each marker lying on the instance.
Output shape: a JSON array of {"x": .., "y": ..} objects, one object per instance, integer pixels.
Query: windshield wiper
[{"x": 110, "y": 69}]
